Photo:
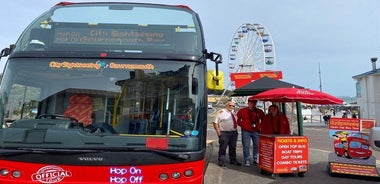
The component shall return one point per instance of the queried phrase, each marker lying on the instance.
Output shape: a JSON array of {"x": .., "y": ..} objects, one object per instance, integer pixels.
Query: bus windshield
[{"x": 106, "y": 76}]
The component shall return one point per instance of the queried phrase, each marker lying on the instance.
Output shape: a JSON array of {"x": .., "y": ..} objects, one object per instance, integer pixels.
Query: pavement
[
  {"x": 315, "y": 122},
  {"x": 245, "y": 175},
  {"x": 232, "y": 174}
]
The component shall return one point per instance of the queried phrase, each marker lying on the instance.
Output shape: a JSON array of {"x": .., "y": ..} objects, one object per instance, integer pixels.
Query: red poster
[
  {"x": 291, "y": 154},
  {"x": 243, "y": 78},
  {"x": 366, "y": 125},
  {"x": 284, "y": 154},
  {"x": 352, "y": 154},
  {"x": 354, "y": 169},
  {"x": 350, "y": 124},
  {"x": 266, "y": 153}
]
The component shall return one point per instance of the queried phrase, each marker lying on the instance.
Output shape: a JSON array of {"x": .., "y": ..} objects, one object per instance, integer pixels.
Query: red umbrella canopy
[{"x": 297, "y": 95}]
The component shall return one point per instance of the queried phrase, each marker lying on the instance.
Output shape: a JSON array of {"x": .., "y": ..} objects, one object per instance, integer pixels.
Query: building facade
[{"x": 368, "y": 93}]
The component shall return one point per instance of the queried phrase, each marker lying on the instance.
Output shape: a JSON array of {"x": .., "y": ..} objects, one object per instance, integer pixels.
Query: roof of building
[{"x": 372, "y": 72}]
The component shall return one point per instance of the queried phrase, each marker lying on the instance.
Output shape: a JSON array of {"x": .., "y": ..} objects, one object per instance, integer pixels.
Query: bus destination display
[{"x": 99, "y": 36}]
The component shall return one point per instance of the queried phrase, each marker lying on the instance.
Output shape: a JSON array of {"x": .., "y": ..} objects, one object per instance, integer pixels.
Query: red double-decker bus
[{"x": 106, "y": 93}]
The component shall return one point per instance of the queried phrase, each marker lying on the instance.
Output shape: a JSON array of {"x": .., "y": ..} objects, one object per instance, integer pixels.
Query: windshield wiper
[
  {"x": 7, "y": 152},
  {"x": 64, "y": 151},
  {"x": 20, "y": 151},
  {"x": 180, "y": 156}
]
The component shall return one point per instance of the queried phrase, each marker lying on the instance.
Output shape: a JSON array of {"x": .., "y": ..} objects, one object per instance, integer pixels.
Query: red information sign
[
  {"x": 266, "y": 153},
  {"x": 363, "y": 170},
  {"x": 242, "y": 78},
  {"x": 351, "y": 155},
  {"x": 350, "y": 124},
  {"x": 283, "y": 154},
  {"x": 366, "y": 125}
]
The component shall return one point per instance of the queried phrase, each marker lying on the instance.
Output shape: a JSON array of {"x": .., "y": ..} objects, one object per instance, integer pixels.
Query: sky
[{"x": 319, "y": 42}]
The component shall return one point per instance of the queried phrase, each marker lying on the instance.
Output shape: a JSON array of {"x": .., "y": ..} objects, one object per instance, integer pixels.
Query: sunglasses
[{"x": 231, "y": 105}]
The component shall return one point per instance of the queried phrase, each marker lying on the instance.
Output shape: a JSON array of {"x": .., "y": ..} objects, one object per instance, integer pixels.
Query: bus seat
[
  {"x": 102, "y": 116},
  {"x": 40, "y": 35},
  {"x": 138, "y": 126},
  {"x": 80, "y": 108},
  {"x": 122, "y": 126}
]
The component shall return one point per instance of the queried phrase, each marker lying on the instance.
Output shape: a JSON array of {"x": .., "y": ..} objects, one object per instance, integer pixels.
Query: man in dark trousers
[
  {"x": 249, "y": 119},
  {"x": 225, "y": 125}
]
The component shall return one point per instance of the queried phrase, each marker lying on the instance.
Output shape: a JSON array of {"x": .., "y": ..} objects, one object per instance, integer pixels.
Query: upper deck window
[
  {"x": 120, "y": 27},
  {"x": 124, "y": 14}
]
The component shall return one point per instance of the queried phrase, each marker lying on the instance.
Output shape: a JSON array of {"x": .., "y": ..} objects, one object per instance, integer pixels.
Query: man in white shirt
[{"x": 225, "y": 125}]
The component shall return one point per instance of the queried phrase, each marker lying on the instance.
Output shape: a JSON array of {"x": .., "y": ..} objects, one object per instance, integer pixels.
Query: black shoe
[
  {"x": 235, "y": 162},
  {"x": 221, "y": 163}
]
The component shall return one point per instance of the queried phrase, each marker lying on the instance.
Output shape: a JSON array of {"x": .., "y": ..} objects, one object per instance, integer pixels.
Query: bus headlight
[
  {"x": 4, "y": 172},
  {"x": 16, "y": 174},
  {"x": 189, "y": 173},
  {"x": 176, "y": 175},
  {"x": 164, "y": 176}
]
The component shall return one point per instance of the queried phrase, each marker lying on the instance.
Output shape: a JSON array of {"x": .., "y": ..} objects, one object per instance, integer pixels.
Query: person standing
[
  {"x": 249, "y": 119},
  {"x": 344, "y": 115},
  {"x": 225, "y": 125},
  {"x": 275, "y": 122}
]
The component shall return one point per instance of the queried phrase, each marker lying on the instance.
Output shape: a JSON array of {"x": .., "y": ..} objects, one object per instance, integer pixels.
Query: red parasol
[{"x": 297, "y": 95}]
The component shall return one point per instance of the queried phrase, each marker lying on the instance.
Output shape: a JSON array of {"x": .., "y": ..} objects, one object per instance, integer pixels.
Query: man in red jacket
[{"x": 249, "y": 119}]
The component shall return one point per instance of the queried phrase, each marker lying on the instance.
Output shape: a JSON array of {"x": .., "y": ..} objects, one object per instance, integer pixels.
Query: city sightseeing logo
[
  {"x": 99, "y": 65},
  {"x": 50, "y": 174}
]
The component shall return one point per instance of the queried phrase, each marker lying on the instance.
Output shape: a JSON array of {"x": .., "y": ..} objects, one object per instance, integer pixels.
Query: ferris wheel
[{"x": 252, "y": 50}]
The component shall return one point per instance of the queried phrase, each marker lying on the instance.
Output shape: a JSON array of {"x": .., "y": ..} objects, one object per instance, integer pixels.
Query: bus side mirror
[
  {"x": 214, "y": 80},
  {"x": 216, "y": 57},
  {"x": 6, "y": 51},
  {"x": 375, "y": 138}
]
